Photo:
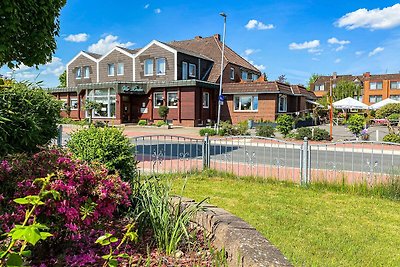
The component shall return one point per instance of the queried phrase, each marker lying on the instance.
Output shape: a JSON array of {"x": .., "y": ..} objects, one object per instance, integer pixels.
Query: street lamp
[
  {"x": 332, "y": 86},
  {"x": 220, "y": 97}
]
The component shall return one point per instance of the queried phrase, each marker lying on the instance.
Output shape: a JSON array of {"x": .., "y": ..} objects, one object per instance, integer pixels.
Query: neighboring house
[
  {"x": 133, "y": 84},
  {"x": 264, "y": 100},
  {"x": 375, "y": 87}
]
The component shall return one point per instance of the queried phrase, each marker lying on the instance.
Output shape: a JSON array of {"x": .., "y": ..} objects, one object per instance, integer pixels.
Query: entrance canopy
[
  {"x": 349, "y": 103},
  {"x": 383, "y": 103}
]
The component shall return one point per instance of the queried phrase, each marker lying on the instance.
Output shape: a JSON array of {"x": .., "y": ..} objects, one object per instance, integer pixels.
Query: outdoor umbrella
[
  {"x": 349, "y": 103},
  {"x": 382, "y": 103}
]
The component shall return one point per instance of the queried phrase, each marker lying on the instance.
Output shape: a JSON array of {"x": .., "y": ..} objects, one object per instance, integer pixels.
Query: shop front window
[{"x": 106, "y": 97}]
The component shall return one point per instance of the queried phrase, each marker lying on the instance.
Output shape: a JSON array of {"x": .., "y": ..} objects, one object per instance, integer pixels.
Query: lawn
[{"x": 311, "y": 227}]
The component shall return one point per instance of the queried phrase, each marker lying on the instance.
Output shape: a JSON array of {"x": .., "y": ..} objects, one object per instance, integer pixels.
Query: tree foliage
[
  {"x": 63, "y": 79},
  {"x": 387, "y": 110},
  {"x": 312, "y": 79},
  {"x": 27, "y": 31},
  {"x": 163, "y": 112},
  {"x": 282, "y": 79},
  {"x": 346, "y": 89}
]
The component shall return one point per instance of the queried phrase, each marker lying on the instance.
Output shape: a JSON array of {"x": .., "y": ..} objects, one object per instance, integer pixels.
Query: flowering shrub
[{"x": 89, "y": 198}]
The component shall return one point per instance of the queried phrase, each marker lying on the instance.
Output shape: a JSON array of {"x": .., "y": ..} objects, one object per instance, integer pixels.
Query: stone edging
[{"x": 244, "y": 245}]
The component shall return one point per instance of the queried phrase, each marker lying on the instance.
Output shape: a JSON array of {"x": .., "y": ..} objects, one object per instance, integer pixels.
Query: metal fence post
[
  {"x": 59, "y": 136},
  {"x": 206, "y": 152},
  {"x": 305, "y": 162}
]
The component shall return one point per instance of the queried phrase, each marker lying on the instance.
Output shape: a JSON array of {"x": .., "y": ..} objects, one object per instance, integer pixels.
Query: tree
[
  {"x": 312, "y": 79},
  {"x": 163, "y": 112},
  {"x": 282, "y": 79},
  {"x": 27, "y": 31},
  {"x": 346, "y": 89},
  {"x": 265, "y": 76},
  {"x": 63, "y": 79},
  {"x": 90, "y": 106}
]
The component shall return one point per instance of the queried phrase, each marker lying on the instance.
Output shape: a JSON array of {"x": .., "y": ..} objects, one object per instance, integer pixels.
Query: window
[
  {"x": 206, "y": 100},
  {"x": 172, "y": 99},
  {"x": 254, "y": 77},
  {"x": 395, "y": 97},
  {"x": 246, "y": 103},
  {"x": 192, "y": 70},
  {"x": 158, "y": 99},
  {"x": 160, "y": 66},
  {"x": 375, "y": 98},
  {"x": 148, "y": 67},
  {"x": 106, "y": 97},
  {"x": 78, "y": 73},
  {"x": 232, "y": 73},
  {"x": 282, "y": 103},
  {"x": 394, "y": 85},
  {"x": 73, "y": 103},
  {"x": 111, "y": 69},
  {"x": 244, "y": 75},
  {"x": 319, "y": 87},
  {"x": 120, "y": 68},
  {"x": 86, "y": 72},
  {"x": 184, "y": 71},
  {"x": 375, "y": 85},
  {"x": 359, "y": 98}
]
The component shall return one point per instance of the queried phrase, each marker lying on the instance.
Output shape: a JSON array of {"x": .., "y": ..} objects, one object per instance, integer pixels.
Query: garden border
[{"x": 243, "y": 244}]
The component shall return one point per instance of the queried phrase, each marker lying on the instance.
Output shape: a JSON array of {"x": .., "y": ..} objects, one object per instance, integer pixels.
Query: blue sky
[{"x": 295, "y": 38}]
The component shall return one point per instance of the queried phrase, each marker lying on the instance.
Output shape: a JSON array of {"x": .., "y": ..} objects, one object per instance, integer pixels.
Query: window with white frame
[
  {"x": 148, "y": 67},
  {"x": 282, "y": 103},
  {"x": 158, "y": 99},
  {"x": 319, "y": 87},
  {"x": 120, "y": 68},
  {"x": 254, "y": 77},
  {"x": 232, "y": 73},
  {"x": 86, "y": 72},
  {"x": 184, "y": 70},
  {"x": 394, "y": 85},
  {"x": 395, "y": 97},
  {"x": 375, "y": 98},
  {"x": 160, "y": 66},
  {"x": 106, "y": 97},
  {"x": 111, "y": 69},
  {"x": 172, "y": 99},
  {"x": 244, "y": 75},
  {"x": 78, "y": 73},
  {"x": 206, "y": 100},
  {"x": 192, "y": 70},
  {"x": 246, "y": 102},
  {"x": 375, "y": 85},
  {"x": 73, "y": 103}
]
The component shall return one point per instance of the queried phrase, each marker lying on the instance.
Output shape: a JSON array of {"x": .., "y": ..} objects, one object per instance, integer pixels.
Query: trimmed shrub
[
  {"x": 163, "y": 112},
  {"x": 392, "y": 138},
  {"x": 265, "y": 131},
  {"x": 227, "y": 129},
  {"x": 142, "y": 122},
  {"x": 106, "y": 145},
  {"x": 28, "y": 118},
  {"x": 160, "y": 123},
  {"x": 301, "y": 133},
  {"x": 208, "y": 131},
  {"x": 320, "y": 134},
  {"x": 388, "y": 110},
  {"x": 285, "y": 124},
  {"x": 356, "y": 123}
]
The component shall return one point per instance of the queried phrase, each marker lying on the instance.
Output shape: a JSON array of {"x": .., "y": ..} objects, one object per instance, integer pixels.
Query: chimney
[
  {"x": 217, "y": 36},
  {"x": 334, "y": 75},
  {"x": 197, "y": 37},
  {"x": 367, "y": 74}
]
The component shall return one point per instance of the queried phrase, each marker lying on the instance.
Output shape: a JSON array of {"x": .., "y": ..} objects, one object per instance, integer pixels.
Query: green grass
[{"x": 311, "y": 226}]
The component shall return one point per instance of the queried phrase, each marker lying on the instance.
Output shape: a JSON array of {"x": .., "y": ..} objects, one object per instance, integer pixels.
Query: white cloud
[
  {"x": 311, "y": 46},
  {"x": 157, "y": 11},
  {"x": 374, "y": 19},
  {"x": 77, "y": 38},
  {"x": 25, "y": 75},
  {"x": 106, "y": 44},
  {"x": 375, "y": 51},
  {"x": 146, "y": 6},
  {"x": 359, "y": 53},
  {"x": 258, "y": 25},
  {"x": 250, "y": 51},
  {"x": 260, "y": 67},
  {"x": 338, "y": 60},
  {"x": 334, "y": 40},
  {"x": 54, "y": 67}
]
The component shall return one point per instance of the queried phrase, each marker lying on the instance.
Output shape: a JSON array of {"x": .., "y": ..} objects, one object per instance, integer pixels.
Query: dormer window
[
  {"x": 148, "y": 67},
  {"x": 160, "y": 64},
  {"x": 244, "y": 75},
  {"x": 319, "y": 87},
  {"x": 78, "y": 73},
  {"x": 184, "y": 70},
  {"x": 232, "y": 73},
  {"x": 254, "y": 77},
  {"x": 192, "y": 70}
]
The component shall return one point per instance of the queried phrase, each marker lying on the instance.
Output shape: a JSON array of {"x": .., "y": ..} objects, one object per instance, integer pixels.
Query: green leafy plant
[
  {"x": 301, "y": 133},
  {"x": 111, "y": 259},
  {"x": 142, "y": 122},
  {"x": 320, "y": 134},
  {"x": 394, "y": 117},
  {"x": 91, "y": 105},
  {"x": 163, "y": 112},
  {"x": 28, "y": 118},
  {"x": 356, "y": 123},
  {"x": 106, "y": 145},
  {"x": 226, "y": 128},
  {"x": 285, "y": 124},
  {"x": 387, "y": 110},
  {"x": 265, "y": 131},
  {"x": 160, "y": 123},
  {"x": 30, "y": 231},
  {"x": 392, "y": 138},
  {"x": 208, "y": 131},
  {"x": 68, "y": 110}
]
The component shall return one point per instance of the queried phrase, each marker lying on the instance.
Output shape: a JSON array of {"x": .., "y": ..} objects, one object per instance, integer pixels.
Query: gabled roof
[
  {"x": 257, "y": 87},
  {"x": 96, "y": 56},
  {"x": 301, "y": 90},
  {"x": 211, "y": 47},
  {"x": 131, "y": 51}
]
